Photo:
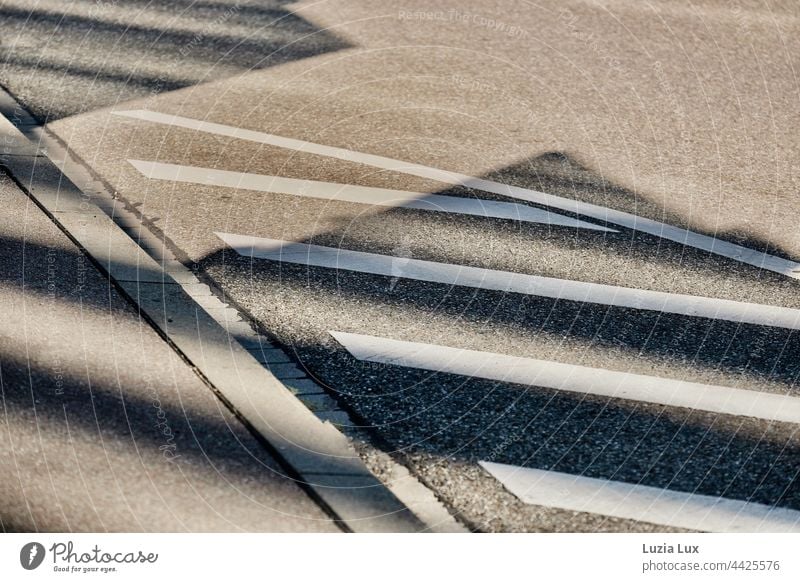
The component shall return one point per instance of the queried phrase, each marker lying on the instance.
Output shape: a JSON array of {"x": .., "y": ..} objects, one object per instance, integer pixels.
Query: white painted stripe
[
  {"x": 357, "y": 194},
  {"x": 642, "y": 503},
  {"x": 653, "y": 227},
  {"x": 571, "y": 378},
  {"x": 448, "y": 274}
]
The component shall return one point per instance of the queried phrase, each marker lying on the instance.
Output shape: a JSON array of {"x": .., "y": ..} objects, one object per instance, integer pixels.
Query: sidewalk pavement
[{"x": 104, "y": 427}]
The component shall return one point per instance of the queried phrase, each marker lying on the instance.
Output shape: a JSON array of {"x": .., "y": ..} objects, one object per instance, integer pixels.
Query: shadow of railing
[
  {"x": 90, "y": 55},
  {"x": 453, "y": 418},
  {"x": 74, "y": 396}
]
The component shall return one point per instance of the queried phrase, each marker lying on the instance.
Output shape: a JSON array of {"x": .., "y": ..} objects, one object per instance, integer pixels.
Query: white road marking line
[
  {"x": 642, "y": 503},
  {"x": 686, "y": 237},
  {"x": 448, "y": 274},
  {"x": 357, "y": 194},
  {"x": 571, "y": 378}
]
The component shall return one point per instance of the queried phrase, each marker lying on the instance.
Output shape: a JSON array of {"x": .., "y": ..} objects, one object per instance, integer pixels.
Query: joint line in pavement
[{"x": 313, "y": 452}]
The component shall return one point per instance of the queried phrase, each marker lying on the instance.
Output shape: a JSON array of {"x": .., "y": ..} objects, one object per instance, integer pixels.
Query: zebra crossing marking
[
  {"x": 575, "y": 493},
  {"x": 662, "y": 230},
  {"x": 571, "y": 378},
  {"x": 358, "y": 194},
  {"x": 489, "y": 279},
  {"x": 641, "y": 502}
]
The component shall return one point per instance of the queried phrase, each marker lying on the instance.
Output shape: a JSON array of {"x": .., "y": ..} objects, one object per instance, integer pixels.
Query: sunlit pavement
[{"x": 636, "y": 118}]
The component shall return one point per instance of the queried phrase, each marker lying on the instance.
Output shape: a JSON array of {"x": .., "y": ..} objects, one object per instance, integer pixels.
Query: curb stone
[{"x": 255, "y": 377}]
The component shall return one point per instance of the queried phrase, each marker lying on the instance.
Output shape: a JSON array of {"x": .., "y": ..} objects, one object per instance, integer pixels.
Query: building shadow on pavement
[
  {"x": 463, "y": 420},
  {"x": 440, "y": 417}
]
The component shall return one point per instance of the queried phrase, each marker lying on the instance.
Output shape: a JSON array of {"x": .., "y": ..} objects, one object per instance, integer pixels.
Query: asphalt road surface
[{"x": 665, "y": 133}]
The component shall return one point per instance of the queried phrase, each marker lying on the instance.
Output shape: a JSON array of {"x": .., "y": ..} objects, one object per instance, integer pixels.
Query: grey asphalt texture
[
  {"x": 680, "y": 112},
  {"x": 450, "y": 420}
]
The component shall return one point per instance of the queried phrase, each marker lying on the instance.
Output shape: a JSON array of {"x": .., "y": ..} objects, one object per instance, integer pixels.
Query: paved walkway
[{"x": 103, "y": 426}]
